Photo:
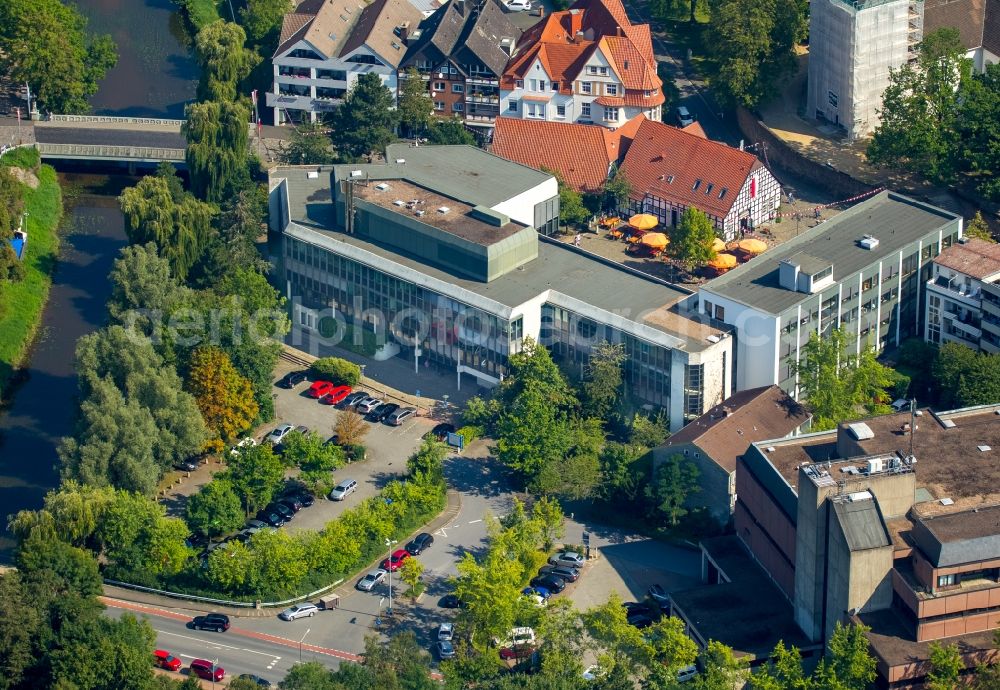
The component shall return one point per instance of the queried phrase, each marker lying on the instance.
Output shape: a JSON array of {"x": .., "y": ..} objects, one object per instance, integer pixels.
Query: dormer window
[
  {"x": 722, "y": 194},
  {"x": 708, "y": 189},
  {"x": 697, "y": 183}
]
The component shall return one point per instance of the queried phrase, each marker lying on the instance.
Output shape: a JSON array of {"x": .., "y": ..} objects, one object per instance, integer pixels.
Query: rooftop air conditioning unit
[
  {"x": 381, "y": 186},
  {"x": 399, "y": 202},
  {"x": 356, "y": 173},
  {"x": 400, "y": 161},
  {"x": 420, "y": 213},
  {"x": 443, "y": 209},
  {"x": 868, "y": 242},
  {"x": 875, "y": 465}
]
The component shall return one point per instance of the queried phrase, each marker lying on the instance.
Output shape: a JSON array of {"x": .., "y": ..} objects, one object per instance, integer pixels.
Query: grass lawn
[
  {"x": 21, "y": 303},
  {"x": 201, "y": 13}
]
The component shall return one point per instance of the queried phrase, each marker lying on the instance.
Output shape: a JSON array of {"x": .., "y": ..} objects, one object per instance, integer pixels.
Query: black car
[
  {"x": 568, "y": 574},
  {"x": 272, "y": 518},
  {"x": 332, "y": 441},
  {"x": 292, "y": 379},
  {"x": 441, "y": 431},
  {"x": 304, "y": 499},
  {"x": 640, "y": 620},
  {"x": 186, "y": 465},
  {"x": 219, "y": 622},
  {"x": 353, "y": 399},
  {"x": 450, "y": 601},
  {"x": 282, "y": 510},
  {"x": 633, "y": 608},
  {"x": 550, "y": 582},
  {"x": 381, "y": 412},
  {"x": 255, "y": 679},
  {"x": 420, "y": 543}
]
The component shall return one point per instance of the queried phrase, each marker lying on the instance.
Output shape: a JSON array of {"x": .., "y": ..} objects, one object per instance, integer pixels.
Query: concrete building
[
  {"x": 438, "y": 256},
  {"x": 852, "y": 46},
  {"x": 861, "y": 271},
  {"x": 963, "y": 296},
  {"x": 714, "y": 441}
]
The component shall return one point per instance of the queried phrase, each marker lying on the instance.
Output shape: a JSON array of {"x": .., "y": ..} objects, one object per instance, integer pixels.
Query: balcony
[
  {"x": 295, "y": 102},
  {"x": 481, "y": 98},
  {"x": 954, "y": 291}
]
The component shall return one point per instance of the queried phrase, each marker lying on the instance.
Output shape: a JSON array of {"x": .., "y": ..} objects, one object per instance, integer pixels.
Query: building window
[
  {"x": 438, "y": 105},
  {"x": 708, "y": 308},
  {"x": 592, "y": 69},
  {"x": 611, "y": 114},
  {"x": 541, "y": 84},
  {"x": 555, "y": 86},
  {"x": 518, "y": 83},
  {"x": 720, "y": 313},
  {"x": 603, "y": 70},
  {"x": 560, "y": 111},
  {"x": 585, "y": 110},
  {"x": 946, "y": 580},
  {"x": 458, "y": 88},
  {"x": 831, "y": 97},
  {"x": 458, "y": 107},
  {"x": 697, "y": 183},
  {"x": 512, "y": 106},
  {"x": 534, "y": 84},
  {"x": 586, "y": 87},
  {"x": 439, "y": 86},
  {"x": 611, "y": 89}
]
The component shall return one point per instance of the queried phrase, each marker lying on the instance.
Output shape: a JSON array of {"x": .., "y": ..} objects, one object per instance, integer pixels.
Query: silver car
[
  {"x": 368, "y": 582},
  {"x": 343, "y": 490},
  {"x": 279, "y": 433},
  {"x": 368, "y": 404},
  {"x": 298, "y": 611},
  {"x": 446, "y": 631},
  {"x": 446, "y": 650}
]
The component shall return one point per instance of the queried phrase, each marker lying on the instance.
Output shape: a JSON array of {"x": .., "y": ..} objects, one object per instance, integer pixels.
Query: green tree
[
  {"x": 783, "y": 673},
  {"x": 622, "y": 477},
  {"x": 549, "y": 515},
  {"x": 20, "y": 627},
  {"x": 314, "y": 457},
  {"x": 411, "y": 573},
  {"x": 399, "y": 664},
  {"x": 572, "y": 211},
  {"x": 217, "y": 148},
  {"x": 427, "y": 464},
  {"x": 414, "y": 106},
  {"x": 648, "y": 432},
  {"x": 45, "y": 44},
  {"x": 240, "y": 223},
  {"x": 954, "y": 362},
  {"x": 575, "y": 474},
  {"x": 979, "y": 130},
  {"x": 141, "y": 280},
  {"x": 135, "y": 534},
  {"x": 849, "y": 659},
  {"x": 981, "y": 385},
  {"x": 624, "y": 651},
  {"x": 262, "y": 18},
  {"x": 309, "y": 145},
  {"x": 450, "y": 131},
  {"x": 946, "y": 667},
  {"x": 977, "y": 228},
  {"x": 675, "y": 480},
  {"x": 215, "y": 509},
  {"x": 310, "y": 675},
  {"x": 691, "y": 239},
  {"x": 225, "y": 62},
  {"x": 279, "y": 561},
  {"x": 722, "y": 670},
  {"x": 366, "y": 119},
  {"x": 603, "y": 378},
  {"x": 336, "y": 370},
  {"x": 118, "y": 649},
  {"x": 224, "y": 396},
  {"x": 177, "y": 223},
  {"x": 256, "y": 473},
  {"x": 616, "y": 190}
]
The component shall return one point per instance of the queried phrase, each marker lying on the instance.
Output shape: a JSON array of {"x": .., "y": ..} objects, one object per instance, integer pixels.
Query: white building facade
[{"x": 963, "y": 297}]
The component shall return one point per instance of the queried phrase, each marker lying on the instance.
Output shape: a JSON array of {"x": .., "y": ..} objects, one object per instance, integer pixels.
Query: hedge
[{"x": 336, "y": 370}]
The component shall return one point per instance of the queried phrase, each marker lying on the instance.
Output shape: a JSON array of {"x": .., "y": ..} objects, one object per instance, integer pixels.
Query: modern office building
[
  {"x": 439, "y": 256},
  {"x": 863, "y": 271},
  {"x": 963, "y": 296}
]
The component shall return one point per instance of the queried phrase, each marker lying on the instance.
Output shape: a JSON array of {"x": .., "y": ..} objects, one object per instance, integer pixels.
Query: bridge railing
[
  {"x": 110, "y": 119},
  {"x": 125, "y": 153}
]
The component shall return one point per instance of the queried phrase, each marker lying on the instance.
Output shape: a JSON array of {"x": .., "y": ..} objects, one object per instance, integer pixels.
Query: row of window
[{"x": 539, "y": 110}]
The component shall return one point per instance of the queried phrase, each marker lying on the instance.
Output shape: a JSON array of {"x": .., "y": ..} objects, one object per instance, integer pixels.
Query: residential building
[
  {"x": 714, "y": 441},
  {"x": 589, "y": 63},
  {"x": 462, "y": 51},
  {"x": 439, "y": 256},
  {"x": 963, "y": 296},
  {"x": 325, "y": 46},
  {"x": 671, "y": 169},
  {"x": 862, "y": 271},
  {"x": 978, "y": 24},
  {"x": 852, "y": 46}
]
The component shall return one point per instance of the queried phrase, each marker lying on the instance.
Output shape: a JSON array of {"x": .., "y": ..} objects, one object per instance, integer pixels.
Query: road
[{"x": 109, "y": 137}]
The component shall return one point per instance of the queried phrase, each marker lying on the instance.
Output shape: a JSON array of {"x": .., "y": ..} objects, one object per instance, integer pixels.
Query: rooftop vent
[
  {"x": 356, "y": 173},
  {"x": 946, "y": 502},
  {"x": 860, "y": 496},
  {"x": 850, "y": 469},
  {"x": 860, "y": 431},
  {"x": 868, "y": 242},
  {"x": 443, "y": 209},
  {"x": 400, "y": 161},
  {"x": 312, "y": 175},
  {"x": 948, "y": 424},
  {"x": 984, "y": 448},
  {"x": 713, "y": 338},
  {"x": 399, "y": 202},
  {"x": 770, "y": 449},
  {"x": 381, "y": 186}
]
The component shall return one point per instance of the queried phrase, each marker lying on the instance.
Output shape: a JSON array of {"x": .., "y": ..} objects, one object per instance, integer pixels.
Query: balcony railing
[{"x": 479, "y": 98}]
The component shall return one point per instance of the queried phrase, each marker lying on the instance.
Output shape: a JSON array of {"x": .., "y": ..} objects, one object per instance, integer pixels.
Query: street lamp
[
  {"x": 301, "y": 641},
  {"x": 388, "y": 545}
]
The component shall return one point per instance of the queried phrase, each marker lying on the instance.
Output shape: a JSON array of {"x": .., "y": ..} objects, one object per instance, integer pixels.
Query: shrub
[
  {"x": 355, "y": 452},
  {"x": 470, "y": 433},
  {"x": 336, "y": 370}
]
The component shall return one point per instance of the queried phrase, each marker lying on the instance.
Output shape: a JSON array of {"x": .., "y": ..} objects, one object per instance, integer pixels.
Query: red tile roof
[
  {"x": 632, "y": 100},
  {"x": 636, "y": 70},
  {"x": 695, "y": 128},
  {"x": 666, "y": 161}
]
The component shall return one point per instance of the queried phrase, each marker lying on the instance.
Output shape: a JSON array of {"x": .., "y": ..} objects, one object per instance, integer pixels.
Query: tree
[
  {"x": 978, "y": 228},
  {"x": 427, "y": 464},
  {"x": 366, "y": 119},
  {"x": 575, "y": 475},
  {"x": 624, "y": 650},
  {"x": 350, "y": 428},
  {"x": 953, "y": 363},
  {"x": 649, "y": 432},
  {"x": 784, "y": 672},
  {"x": 622, "y": 478},
  {"x": 849, "y": 657},
  {"x": 616, "y": 190},
  {"x": 691, "y": 239},
  {"x": 946, "y": 667},
  {"x": 141, "y": 283},
  {"x": 310, "y": 675},
  {"x": 177, "y": 223},
  {"x": 135, "y": 534},
  {"x": 549, "y": 515},
  {"x": 336, "y": 370},
  {"x": 979, "y": 130},
  {"x": 450, "y": 131},
  {"x": 414, "y": 107},
  {"x": 722, "y": 670},
  {"x": 603, "y": 379},
  {"x": 411, "y": 572},
  {"x": 256, "y": 473},
  {"x": 571, "y": 209},
  {"x": 261, "y": 18},
  {"x": 217, "y": 148},
  {"x": 224, "y": 60},
  {"x": 981, "y": 385},
  {"x": 674, "y": 482},
  {"x": 308, "y": 145},
  {"x": 224, "y": 397},
  {"x": 46, "y": 45},
  {"x": 314, "y": 457},
  {"x": 215, "y": 509}
]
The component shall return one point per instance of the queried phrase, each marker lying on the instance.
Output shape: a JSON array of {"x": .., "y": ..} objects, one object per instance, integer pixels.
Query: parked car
[
  {"x": 419, "y": 544},
  {"x": 273, "y": 518},
  {"x": 568, "y": 558},
  {"x": 445, "y": 649},
  {"x": 298, "y": 611},
  {"x": 450, "y": 601},
  {"x": 684, "y": 117},
  {"x": 245, "y": 442},
  {"x": 395, "y": 561},
  {"x": 261, "y": 683},
  {"x": 189, "y": 465},
  {"x": 640, "y": 620},
  {"x": 687, "y": 673},
  {"x": 219, "y": 622},
  {"x": 255, "y": 524},
  {"x": 279, "y": 433},
  {"x": 446, "y": 630},
  {"x": 282, "y": 510},
  {"x": 302, "y": 429},
  {"x": 320, "y": 388},
  {"x": 304, "y": 499},
  {"x": 207, "y": 670},
  {"x": 550, "y": 582},
  {"x": 539, "y": 592},
  {"x": 568, "y": 574},
  {"x": 441, "y": 431},
  {"x": 518, "y": 637},
  {"x": 659, "y": 595},
  {"x": 292, "y": 379},
  {"x": 354, "y": 398},
  {"x": 343, "y": 490},
  {"x": 381, "y": 412},
  {"x": 368, "y": 404},
  {"x": 519, "y": 5},
  {"x": 165, "y": 659},
  {"x": 369, "y": 581},
  {"x": 400, "y": 416},
  {"x": 292, "y": 502},
  {"x": 633, "y": 608},
  {"x": 520, "y": 652},
  {"x": 336, "y": 396}
]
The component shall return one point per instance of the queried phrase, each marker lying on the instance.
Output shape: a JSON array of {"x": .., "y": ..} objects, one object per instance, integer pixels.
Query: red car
[
  {"x": 165, "y": 659},
  {"x": 522, "y": 652},
  {"x": 394, "y": 562},
  {"x": 320, "y": 388},
  {"x": 336, "y": 395},
  {"x": 206, "y": 670}
]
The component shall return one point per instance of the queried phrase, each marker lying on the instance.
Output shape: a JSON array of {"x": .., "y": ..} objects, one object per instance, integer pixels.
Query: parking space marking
[
  {"x": 442, "y": 533},
  {"x": 196, "y": 639},
  {"x": 472, "y": 522}
]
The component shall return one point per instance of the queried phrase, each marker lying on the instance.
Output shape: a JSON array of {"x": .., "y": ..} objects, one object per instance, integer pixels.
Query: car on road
[
  {"x": 659, "y": 595},
  {"x": 568, "y": 558},
  {"x": 684, "y": 116},
  {"x": 445, "y": 649},
  {"x": 189, "y": 465},
  {"x": 343, "y": 490},
  {"x": 446, "y": 631},
  {"x": 219, "y": 622},
  {"x": 354, "y": 398},
  {"x": 399, "y": 416},
  {"x": 369, "y": 581},
  {"x": 381, "y": 412},
  {"x": 568, "y": 574},
  {"x": 550, "y": 582},
  {"x": 320, "y": 388},
  {"x": 245, "y": 442},
  {"x": 261, "y": 682},
  {"x": 279, "y": 433},
  {"x": 273, "y": 518},
  {"x": 395, "y": 561},
  {"x": 336, "y": 396},
  {"x": 441, "y": 431},
  {"x": 520, "y": 652},
  {"x": 368, "y": 404},
  {"x": 298, "y": 611},
  {"x": 518, "y": 5},
  {"x": 419, "y": 544},
  {"x": 165, "y": 659},
  {"x": 450, "y": 601},
  {"x": 207, "y": 670},
  {"x": 292, "y": 379}
]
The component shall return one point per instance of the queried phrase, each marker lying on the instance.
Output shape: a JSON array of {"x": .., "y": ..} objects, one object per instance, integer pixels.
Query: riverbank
[{"x": 21, "y": 303}]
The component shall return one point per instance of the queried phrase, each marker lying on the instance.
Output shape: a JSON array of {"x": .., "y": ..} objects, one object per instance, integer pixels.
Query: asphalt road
[{"x": 109, "y": 137}]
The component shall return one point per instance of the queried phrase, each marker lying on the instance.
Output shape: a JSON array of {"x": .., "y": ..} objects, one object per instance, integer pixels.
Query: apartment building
[
  {"x": 862, "y": 271},
  {"x": 439, "y": 255},
  {"x": 462, "y": 50},
  {"x": 587, "y": 64},
  {"x": 963, "y": 296},
  {"x": 325, "y": 46}
]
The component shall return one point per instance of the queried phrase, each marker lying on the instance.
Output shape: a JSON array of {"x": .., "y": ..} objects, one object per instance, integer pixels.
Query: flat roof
[
  {"x": 444, "y": 213},
  {"x": 892, "y": 638},
  {"x": 964, "y": 536},
  {"x": 895, "y": 220}
]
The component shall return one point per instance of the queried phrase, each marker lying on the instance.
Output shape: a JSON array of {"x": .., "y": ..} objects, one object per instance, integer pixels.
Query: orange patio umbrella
[
  {"x": 654, "y": 240},
  {"x": 754, "y": 247},
  {"x": 643, "y": 221},
  {"x": 718, "y": 245},
  {"x": 723, "y": 262}
]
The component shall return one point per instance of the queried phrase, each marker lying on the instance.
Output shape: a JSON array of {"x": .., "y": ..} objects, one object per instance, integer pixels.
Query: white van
[{"x": 684, "y": 116}]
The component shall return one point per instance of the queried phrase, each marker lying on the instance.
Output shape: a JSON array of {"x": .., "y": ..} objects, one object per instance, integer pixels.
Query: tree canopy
[
  {"x": 414, "y": 107},
  {"x": 217, "y": 148},
  {"x": 691, "y": 239},
  {"x": 262, "y": 18},
  {"x": 225, "y": 62},
  {"x": 366, "y": 120},
  {"x": 224, "y": 397}
]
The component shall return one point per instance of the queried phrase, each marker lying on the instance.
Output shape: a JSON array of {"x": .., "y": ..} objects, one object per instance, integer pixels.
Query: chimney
[
  {"x": 575, "y": 23},
  {"x": 403, "y": 31}
]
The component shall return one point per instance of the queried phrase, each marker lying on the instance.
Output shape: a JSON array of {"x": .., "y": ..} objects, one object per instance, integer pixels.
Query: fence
[
  {"x": 108, "y": 119},
  {"x": 122, "y": 153},
  {"x": 224, "y": 602}
]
